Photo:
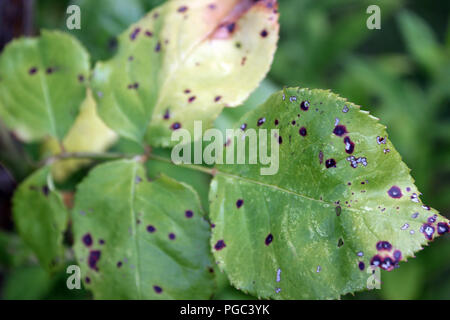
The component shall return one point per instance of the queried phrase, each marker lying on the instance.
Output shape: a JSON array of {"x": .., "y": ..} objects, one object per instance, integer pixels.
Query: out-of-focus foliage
[{"x": 399, "y": 73}]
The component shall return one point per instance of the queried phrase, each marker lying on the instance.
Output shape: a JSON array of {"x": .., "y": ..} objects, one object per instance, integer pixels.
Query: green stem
[
  {"x": 188, "y": 166},
  {"x": 113, "y": 156}
]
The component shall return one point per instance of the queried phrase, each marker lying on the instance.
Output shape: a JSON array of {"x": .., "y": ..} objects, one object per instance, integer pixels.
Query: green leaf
[
  {"x": 41, "y": 218},
  {"x": 42, "y": 84},
  {"x": 199, "y": 181},
  {"x": 131, "y": 222},
  {"x": 181, "y": 63},
  {"x": 307, "y": 223}
]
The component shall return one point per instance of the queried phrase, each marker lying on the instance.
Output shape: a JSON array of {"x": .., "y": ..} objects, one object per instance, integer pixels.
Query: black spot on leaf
[
  {"x": 383, "y": 245},
  {"x": 176, "y": 126},
  {"x": 330, "y": 163},
  {"x": 158, "y": 289},
  {"x": 87, "y": 240},
  {"x": 442, "y": 228},
  {"x": 340, "y": 130},
  {"x": 349, "y": 145},
  {"x": 220, "y": 245},
  {"x": 94, "y": 257},
  {"x": 304, "y": 105},
  {"x": 302, "y": 131},
  {"x": 269, "y": 239}
]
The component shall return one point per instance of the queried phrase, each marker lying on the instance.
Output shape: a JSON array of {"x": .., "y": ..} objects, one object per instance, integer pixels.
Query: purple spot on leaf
[
  {"x": 395, "y": 192},
  {"x": 220, "y": 245}
]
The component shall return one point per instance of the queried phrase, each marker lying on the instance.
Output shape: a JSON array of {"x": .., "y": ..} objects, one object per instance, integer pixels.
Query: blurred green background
[{"x": 400, "y": 73}]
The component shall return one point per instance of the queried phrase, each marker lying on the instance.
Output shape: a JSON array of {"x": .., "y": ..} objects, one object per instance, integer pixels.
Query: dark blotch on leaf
[
  {"x": 135, "y": 33},
  {"x": 395, "y": 192},
  {"x": 172, "y": 236},
  {"x": 243, "y": 126},
  {"x": 189, "y": 213},
  {"x": 220, "y": 245},
  {"x": 387, "y": 264},
  {"x": 264, "y": 33},
  {"x": 330, "y": 163},
  {"x": 397, "y": 255},
  {"x": 182, "y": 9},
  {"x": 45, "y": 190},
  {"x": 338, "y": 210},
  {"x": 119, "y": 264},
  {"x": 383, "y": 245},
  {"x": 166, "y": 115},
  {"x": 158, "y": 47},
  {"x": 428, "y": 231},
  {"x": 261, "y": 121},
  {"x": 361, "y": 265},
  {"x": 340, "y": 242},
  {"x": 217, "y": 98},
  {"x": 304, "y": 105},
  {"x": 442, "y": 228},
  {"x": 340, "y": 130},
  {"x": 269, "y": 239},
  {"x": 87, "y": 240},
  {"x": 230, "y": 27},
  {"x": 376, "y": 261},
  {"x": 302, "y": 131},
  {"x": 32, "y": 70},
  {"x": 176, "y": 126},
  {"x": 94, "y": 257},
  {"x": 157, "y": 289},
  {"x": 349, "y": 145},
  {"x": 239, "y": 203},
  {"x": 151, "y": 229}
]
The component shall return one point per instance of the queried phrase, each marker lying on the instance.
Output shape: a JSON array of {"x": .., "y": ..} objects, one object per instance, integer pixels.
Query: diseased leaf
[
  {"x": 88, "y": 134},
  {"x": 42, "y": 84},
  {"x": 185, "y": 61},
  {"x": 133, "y": 241},
  {"x": 341, "y": 201},
  {"x": 41, "y": 218}
]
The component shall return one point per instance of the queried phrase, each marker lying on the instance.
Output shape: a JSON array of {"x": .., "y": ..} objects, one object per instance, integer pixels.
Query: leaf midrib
[
  {"x": 278, "y": 188},
  {"x": 137, "y": 274}
]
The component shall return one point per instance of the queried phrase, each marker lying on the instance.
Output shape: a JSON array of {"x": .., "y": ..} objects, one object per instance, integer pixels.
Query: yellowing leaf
[
  {"x": 88, "y": 134},
  {"x": 185, "y": 61}
]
